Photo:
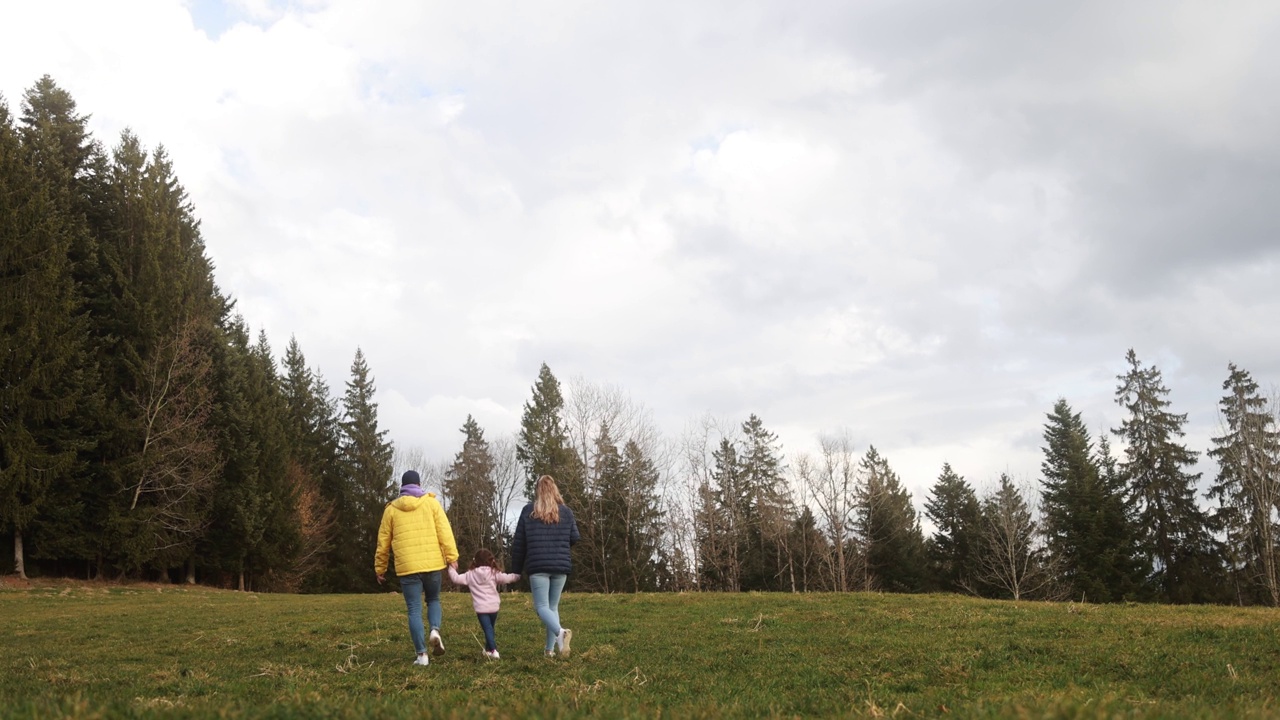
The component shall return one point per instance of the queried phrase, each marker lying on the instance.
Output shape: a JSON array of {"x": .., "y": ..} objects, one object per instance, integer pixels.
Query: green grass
[{"x": 100, "y": 650}]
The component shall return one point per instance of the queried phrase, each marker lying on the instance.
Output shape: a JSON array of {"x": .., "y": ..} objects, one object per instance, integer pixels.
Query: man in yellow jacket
[{"x": 416, "y": 530}]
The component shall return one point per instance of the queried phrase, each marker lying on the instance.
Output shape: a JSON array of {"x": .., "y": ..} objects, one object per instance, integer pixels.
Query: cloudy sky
[{"x": 919, "y": 221}]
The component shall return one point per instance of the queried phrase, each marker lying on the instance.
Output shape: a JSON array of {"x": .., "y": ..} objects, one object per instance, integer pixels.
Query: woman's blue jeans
[
  {"x": 546, "y": 602},
  {"x": 413, "y": 586}
]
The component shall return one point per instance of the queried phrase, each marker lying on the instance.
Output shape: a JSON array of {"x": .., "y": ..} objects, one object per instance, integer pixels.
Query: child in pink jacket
[{"x": 483, "y": 579}]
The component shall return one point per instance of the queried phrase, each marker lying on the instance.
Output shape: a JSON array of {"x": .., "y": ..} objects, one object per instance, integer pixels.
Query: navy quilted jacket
[{"x": 540, "y": 547}]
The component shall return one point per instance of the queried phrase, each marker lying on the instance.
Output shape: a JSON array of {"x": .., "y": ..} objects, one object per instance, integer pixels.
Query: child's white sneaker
[
  {"x": 491, "y": 654},
  {"x": 437, "y": 645},
  {"x": 422, "y": 659}
]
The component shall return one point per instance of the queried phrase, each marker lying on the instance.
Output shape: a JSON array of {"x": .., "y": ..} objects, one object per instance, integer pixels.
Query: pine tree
[
  {"x": 366, "y": 458},
  {"x": 1247, "y": 488},
  {"x": 1175, "y": 531},
  {"x": 953, "y": 508},
  {"x": 641, "y": 521},
  {"x": 808, "y": 546},
  {"x": 69, "y": 168},
  {"x": 543, "y": 447},
  {"x": 45, "y": 340},
  {"x": 255, "y": 532},
  {"x": 164, "y": 314},
  {"x": 627, "y": 519},
  {"x": 732, "y": 499},
  {"x": 1087, "y": 522},
  {"x": 602, "y": 543},
  {"x": 888, "y": 528},
  {"x": 469, "y": 488},
  {"x": 311, "y": 423},
  {"x": 767, "y": 512}
]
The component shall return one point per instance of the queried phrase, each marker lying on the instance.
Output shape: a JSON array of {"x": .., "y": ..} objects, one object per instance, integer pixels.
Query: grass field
[{"x": 90, "y": 650}]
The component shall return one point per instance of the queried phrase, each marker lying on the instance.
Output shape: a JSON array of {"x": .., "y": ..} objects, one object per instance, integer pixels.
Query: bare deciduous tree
[
  {"x": 834, "y": 484},
  {"x": 508, "y": 484},
  {"x": 178, "y": 461},
  {"x": 1010, "y": 556}
]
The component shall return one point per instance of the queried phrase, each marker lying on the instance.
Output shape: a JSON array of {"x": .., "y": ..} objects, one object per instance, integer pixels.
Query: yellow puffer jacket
[{"x": 417, "y": 531}]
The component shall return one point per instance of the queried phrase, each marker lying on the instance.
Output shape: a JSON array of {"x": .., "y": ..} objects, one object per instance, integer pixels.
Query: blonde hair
[{"x": 546, "y": 500}]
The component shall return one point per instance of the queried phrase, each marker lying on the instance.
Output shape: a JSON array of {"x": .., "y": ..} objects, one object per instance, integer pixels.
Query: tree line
[
  {"x": 721, "y": 508},
  {"x": 146, "y": 434}
]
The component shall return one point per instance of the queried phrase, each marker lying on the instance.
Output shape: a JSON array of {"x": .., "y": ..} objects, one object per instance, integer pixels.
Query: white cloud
[{"x": 919, "y": 225}]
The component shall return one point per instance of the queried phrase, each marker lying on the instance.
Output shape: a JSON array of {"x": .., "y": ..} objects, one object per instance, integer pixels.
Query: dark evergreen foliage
[
  {"x": 366, "y": 459},
  {"x": 144, "y": 435},
  {"x": 1087, "y": 521},
  {"x": 543, "y": 446},
  {"x": 1175, "y": 536},
  {"x": 889, "y": 529},
  {"x": 953, "y": 549},
  {"x": 1247, "y": 489},
  {"x": 469, "y": 489}
]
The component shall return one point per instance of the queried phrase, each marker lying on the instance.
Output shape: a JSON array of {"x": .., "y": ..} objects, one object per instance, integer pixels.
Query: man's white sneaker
[
  {"x": 437, "y": 645},
  {"x": 566, "y": 635},
  {"x": 422, "y": 659}
]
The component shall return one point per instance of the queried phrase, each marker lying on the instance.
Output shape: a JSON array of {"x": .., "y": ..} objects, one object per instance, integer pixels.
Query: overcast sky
[{"x": 920, "y": 221}]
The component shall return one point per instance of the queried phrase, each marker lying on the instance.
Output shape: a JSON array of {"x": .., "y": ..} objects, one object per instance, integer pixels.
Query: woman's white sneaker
[
  {"x": 566, "y": 635},
  {"x": 437, "y": 645},
  {"x": 422, "y": 659}
]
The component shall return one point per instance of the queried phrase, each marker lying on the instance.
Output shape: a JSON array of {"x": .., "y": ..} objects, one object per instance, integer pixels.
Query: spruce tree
[
  {"x": 543, "y": 446},
  {"x": 366, "y": 455},
  {"x": 69, "y": 167},
  {"x": 888, "y": 528},
  {"x": 1247, "y": 488},
  {"x": 953, "y": 508},
  {"x": 315, "y": 474},
  {"x": 1087, "y": 521},
  {"x": 809, "y": 547},
  {"x": 641, "y": 521},
  {"x": 469, "y": 489},
  {"x": 602, "y": 548},
  {"x": 254, "y": 536},
  {"x": 164, "y": 315},
  {"x": 767, "y": 512},
  {"x": 1175, "y": 531},
  {"x": 45, "y": 341},
  {"x": 732, "y": 499}
]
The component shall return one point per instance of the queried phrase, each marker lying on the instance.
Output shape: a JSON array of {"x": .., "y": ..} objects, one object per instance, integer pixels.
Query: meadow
[{"x": 99, "y": 650}]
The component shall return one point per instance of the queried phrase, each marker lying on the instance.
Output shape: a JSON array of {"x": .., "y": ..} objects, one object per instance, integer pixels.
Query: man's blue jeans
[
  {"x": 546, "y": 602},
  {"x": 413, "y": 586}
]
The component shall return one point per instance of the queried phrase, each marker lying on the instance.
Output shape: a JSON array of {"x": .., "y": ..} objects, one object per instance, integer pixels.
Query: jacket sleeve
[
  {"x": 383, "y": 552},
  {"x": 517, "y": 546},
  {"x": 454, "y": 577},
  {"x": 444, "y": 534},
  {"x": 506, "y": 578}
]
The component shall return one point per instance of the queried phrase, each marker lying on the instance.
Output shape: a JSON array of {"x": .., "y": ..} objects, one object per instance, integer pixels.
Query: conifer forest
[{"x": 147, "y": 434}]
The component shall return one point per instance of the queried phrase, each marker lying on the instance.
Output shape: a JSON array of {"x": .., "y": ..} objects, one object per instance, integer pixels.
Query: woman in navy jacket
[{"x": 540, "y": 552}]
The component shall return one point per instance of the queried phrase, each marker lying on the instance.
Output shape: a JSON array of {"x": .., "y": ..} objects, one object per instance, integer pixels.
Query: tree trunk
[
  {"x": 19, "y": 562},
  {"x": 242, "y": 579},
  {"x": 191, "y": 570}
]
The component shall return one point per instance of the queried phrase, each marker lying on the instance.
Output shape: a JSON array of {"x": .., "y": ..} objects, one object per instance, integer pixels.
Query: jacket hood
[{"x": 409, "y": 503}]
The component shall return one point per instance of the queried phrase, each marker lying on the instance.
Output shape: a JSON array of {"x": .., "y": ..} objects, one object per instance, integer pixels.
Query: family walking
[{"x": 416, "y": 531}]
